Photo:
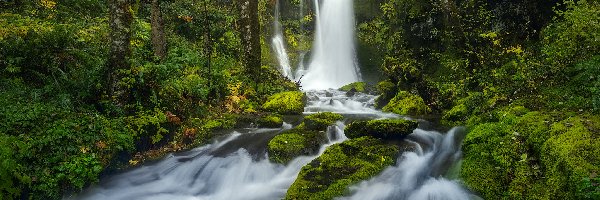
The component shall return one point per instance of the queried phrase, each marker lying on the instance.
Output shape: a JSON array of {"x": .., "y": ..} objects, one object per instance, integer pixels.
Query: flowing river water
[{"x": 237, "y": 166}]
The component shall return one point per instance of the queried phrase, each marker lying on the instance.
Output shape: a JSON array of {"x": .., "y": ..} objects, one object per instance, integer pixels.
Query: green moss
[
  {"x": 270, "y": 121},
  {"x": 405, "y": 103},
  {"x": 340, "y": 166},
  {"x": 387, "y": 91},
  {"x": 384, "y": 129},
  {"x": 358, "y": 86},
  {"x": 286, "y": 103},
  {"x": 293, "y": 143},
  {"x": 320, "y": 121}
]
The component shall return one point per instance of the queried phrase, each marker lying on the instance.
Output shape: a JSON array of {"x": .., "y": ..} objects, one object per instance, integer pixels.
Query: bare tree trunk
[
  {"x": 250, "y": 33},
  {"x": 120, "y": 19},
  {"x": 159, "y": 41}
]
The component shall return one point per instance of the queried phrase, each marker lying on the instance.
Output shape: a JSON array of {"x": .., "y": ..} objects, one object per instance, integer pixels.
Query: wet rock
[
  {"x": 357, "y": 86},
  {"x": 320, "y": 121},
  {"x": 293, "y": 143},
  {"x": 270, "y": 121},
  {"x": 384, "y": 129},
  {"x": 340, "y": 166},
  {"x": 328, "y": 94},
  {"x": 351, "y": 92}
]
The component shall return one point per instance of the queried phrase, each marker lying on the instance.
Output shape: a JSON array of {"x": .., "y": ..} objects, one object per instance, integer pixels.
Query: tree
[
  {"x": 250, "y": 33},
  {"x": 159, "y": 41},
  {"x": 120, "y": 19}
]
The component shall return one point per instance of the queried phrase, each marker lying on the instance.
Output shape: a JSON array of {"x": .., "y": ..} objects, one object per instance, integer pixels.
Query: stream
[{"x": 237, "y": 166}]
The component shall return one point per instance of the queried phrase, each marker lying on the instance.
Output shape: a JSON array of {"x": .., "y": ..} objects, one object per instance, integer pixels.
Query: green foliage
[
  {"x": 270, "y": 121},
  {"x": 340, "y": 166},
  {"x": 405, "y": 103},
  {"x": 293, "y": 143},
  {"x": 286, "y": 103},
  {"x": 384, "y": 128},
  {"x": 320, "y": 121}
]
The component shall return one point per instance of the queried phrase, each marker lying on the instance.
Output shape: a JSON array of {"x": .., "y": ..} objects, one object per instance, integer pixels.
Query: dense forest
[{"x": 89, "y": 88}]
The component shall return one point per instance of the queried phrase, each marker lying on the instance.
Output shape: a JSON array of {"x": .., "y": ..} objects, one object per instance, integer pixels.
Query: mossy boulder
[
  {"x": 386, "y": 90},
  {"x": 357, "y": 86},
  {"x": 533, "y": 155},
  {"x": 292, "y": 102},
  {"x": 384, "y": 128},
  {"x": 293, "y": 143},
  {"x": 270, "y": 121},
  {"x": 341, "y": 166},
  {"x": 320, "y": 121},
  {"x": 405, "y": 103}
]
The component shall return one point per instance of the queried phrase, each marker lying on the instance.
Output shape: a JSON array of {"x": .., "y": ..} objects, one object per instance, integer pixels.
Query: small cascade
[
  {"x": 278, "y": 43},
  {"x": 333, "y": 61},
  {"x": 418, "y": 175},
  {"x": 226, "y": 170}
]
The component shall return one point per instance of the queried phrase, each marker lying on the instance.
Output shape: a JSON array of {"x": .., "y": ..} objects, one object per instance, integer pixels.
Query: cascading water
[
  {"x": 278, "y": 44},
  {"x": 333, "y": 61}
]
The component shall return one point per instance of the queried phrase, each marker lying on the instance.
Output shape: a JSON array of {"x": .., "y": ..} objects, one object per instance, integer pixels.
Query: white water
[
  {"x": 278, "y": 44},
  {"x": 419, "y": 175},
  {"x": 201, "y": 175},
  {"x": 333, "y": 63}
]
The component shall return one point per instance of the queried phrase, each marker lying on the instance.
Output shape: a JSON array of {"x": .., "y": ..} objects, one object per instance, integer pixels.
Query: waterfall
[
  {"x": 333, "y": 61},
  {"x": 278, "y": 43}
]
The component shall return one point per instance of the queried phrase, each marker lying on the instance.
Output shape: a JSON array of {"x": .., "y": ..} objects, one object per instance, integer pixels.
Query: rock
[
  {"x": 328, "y": 94},
  {"x": 286, "y": 103},
  {"x": 357, "y": 86},
  {"x": 387, "y": 91},
  {"x": 384, "y": 129},
  {"x": 340, "y": 166},
  {"x": 293, "y": 143},
  {"x": 320, "y": 121},
  {"x": 405, "y": 103},
  {"x": 351, "y": 92},
  {"x": 270, "y": 121}
]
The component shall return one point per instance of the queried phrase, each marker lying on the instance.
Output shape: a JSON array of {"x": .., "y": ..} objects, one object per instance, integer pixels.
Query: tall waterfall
[
  {"x": 333, "y": 61},
  {"x": 279, "y": 46}
]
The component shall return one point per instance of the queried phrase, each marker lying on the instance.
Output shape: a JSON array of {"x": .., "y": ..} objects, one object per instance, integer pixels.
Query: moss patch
[
  {"x": 270, "y": 121},
  {"x": 320, "y": 121},
  {"x": 387, "y": 91},
  {"x": 340, "y": 166},
  {"x": 384, "y": 129},
  {"x": 286, "y": 103},
  {"x": 533, "y": 155},
  {"x": 358, "y": 86},
  {"x": 293, "y": 143},
  {"x": 405, "y": 103}
]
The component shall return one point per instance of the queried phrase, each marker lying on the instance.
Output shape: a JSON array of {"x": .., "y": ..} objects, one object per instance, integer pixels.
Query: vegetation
[
  {"x": 358, "y": 87},
  {"x": 383, "y": 128},
  {"x": 286, "y": 103},
  {"x": 405, "y": 103},
  {"x": 340, "y": 166},
  {"x": 295, "y": 142},
  {"x": 320, "y": 121},
  {"x": 270, "y": 121}
]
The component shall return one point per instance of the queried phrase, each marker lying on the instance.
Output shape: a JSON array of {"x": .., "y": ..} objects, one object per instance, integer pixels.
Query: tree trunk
[
  {"x": 250, "y": 33},
  {"x": 159, "y": 41},
  {"x": 120, "y": 19}
]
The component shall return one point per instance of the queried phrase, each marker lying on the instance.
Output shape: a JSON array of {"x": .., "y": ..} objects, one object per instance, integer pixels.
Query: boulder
[
  {"x": 292, "y": 102},
  {"x": 405, "y": 103},
  {"x": 293, "y": 143},
  {"x": 320, "y": 121},
  {"x": 270, "y": 121},
  {"x": 384, "y": 129}
]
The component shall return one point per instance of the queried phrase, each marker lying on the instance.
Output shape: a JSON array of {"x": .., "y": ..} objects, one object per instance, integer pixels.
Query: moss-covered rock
[
  {"x": 320, "y": 121},
  {"x": 357, "y": 86},
  {"x": 533, "y": 155},
  {"x": 340, "y": 166},
  {"x": 293, "y": 143},
  {"x": 387, "y": 90},
  {"x": 384, "y": 128},
  {"x": 405, "y": 103},
  {"x": 270, "y": 121},
  {"x": 292, "y": 102}
]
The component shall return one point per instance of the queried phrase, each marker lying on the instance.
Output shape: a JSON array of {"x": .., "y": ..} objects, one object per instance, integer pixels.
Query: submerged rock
[
  {"x": 320, "y": 121},
  {"x": 384, "y": 129},
  {"x": 293, "y": 143},
  {"x": 405, "y": 103},
  {"x": 340, "y": 166},
  {"x": 270, "y": 121},
  {"x": 286, "y": 103}
]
